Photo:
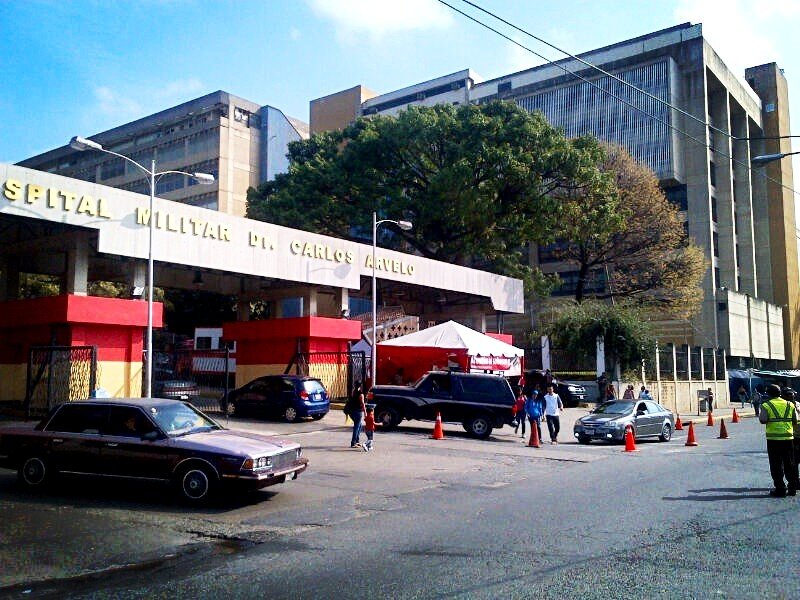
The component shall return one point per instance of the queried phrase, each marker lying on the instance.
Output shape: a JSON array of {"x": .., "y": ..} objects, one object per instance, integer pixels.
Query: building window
[
  {"x": 112, "y": 168},
  {"x": 504, "y": 86},
  {"x": 677, "y": 196},
  {"x": 717, "y": 282},
  {"x": 170, "y": 183},
  {"x": 715, "y": 241},
  {"x": 242, "y": 116},
  {"x": 712, "y": 173},
  {"x": 714, "y": 208}
]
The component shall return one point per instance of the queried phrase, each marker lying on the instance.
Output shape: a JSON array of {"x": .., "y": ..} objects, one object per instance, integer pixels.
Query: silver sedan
[{"x": 610, "y": 420}]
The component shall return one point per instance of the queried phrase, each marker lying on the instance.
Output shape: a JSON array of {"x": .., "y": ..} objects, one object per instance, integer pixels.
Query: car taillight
[{"x": 304, "y": 395}]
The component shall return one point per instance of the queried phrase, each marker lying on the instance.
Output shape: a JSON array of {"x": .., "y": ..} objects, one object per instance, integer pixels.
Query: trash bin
[{"x": 702, "y": 405}]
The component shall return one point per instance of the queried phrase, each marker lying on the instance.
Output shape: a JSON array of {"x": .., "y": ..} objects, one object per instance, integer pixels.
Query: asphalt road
[{"x": 419, "y": 518}]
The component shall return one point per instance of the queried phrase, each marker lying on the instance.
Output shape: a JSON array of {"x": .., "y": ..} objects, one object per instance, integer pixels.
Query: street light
[
  {"x": 405, "y": 226},
  {"x": 759, "y": 161},
  {"x": 81, "y": 144}
]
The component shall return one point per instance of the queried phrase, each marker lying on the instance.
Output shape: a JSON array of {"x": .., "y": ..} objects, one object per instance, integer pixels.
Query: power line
[{"x": 557, "y": 64}]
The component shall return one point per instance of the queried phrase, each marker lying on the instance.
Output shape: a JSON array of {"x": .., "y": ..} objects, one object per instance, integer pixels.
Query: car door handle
[
  {"x": 58, "y": 441},
  {"x": 112, "y": 444}
]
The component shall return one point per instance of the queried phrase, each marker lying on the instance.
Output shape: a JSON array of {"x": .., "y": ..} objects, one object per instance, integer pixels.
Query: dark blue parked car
[{"x": 288, "y": 397}]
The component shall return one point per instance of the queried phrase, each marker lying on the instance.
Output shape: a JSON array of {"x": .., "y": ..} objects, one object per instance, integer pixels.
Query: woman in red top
[{"x": 519, "y": 411}]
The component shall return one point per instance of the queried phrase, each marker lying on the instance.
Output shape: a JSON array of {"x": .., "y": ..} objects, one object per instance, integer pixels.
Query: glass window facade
[{"x": 581, "y": 108}]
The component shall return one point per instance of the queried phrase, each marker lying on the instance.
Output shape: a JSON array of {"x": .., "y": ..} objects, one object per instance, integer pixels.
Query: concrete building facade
[
  {"x": 697, "y": 126},
  {"x": 240, "y": 142}
]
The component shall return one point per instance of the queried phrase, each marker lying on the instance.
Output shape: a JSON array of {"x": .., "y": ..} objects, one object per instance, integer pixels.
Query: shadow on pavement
[{"x": 732, "y": 494}]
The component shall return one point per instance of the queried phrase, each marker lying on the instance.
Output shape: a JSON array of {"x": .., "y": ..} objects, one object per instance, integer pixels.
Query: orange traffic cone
[
  {"x": 534, "y": 441},
  {"x": 630, "y": 442},
  {"x": 723, "y": 431},
  {"x": 438, "y": 432},
  {"x": 735, "y": 418},
  {"x": 710, "y": 422},
  {"x": 678, "y": 424},
  {"x": 690, "y": 441}
]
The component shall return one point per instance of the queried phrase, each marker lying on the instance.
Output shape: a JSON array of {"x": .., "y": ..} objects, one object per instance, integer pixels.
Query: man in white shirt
[{"x": 552, "y": 407}]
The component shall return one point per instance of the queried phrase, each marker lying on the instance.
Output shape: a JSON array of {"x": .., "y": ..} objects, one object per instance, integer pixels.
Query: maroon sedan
[{"x": 147, "y": 439}]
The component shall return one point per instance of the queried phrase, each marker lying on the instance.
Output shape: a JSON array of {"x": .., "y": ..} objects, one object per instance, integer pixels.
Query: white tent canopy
[{"x": 485, "y": 352}]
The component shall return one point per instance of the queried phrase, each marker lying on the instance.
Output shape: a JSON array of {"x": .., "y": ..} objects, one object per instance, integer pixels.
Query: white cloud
[
  {"x": 740, "y": 31},
  {"x": 378, "y": 18},
  {"x": 113, "y": 104},
  {"x": 127, "y": 104}
]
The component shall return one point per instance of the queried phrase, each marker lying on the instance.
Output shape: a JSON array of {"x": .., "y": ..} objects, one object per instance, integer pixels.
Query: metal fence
[
  {"x": 338, "y": 371},
  {"x": 207, "y": 374},
  {"x": 58, "y": 374}
]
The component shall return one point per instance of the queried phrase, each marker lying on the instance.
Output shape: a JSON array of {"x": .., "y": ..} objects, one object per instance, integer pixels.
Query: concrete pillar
[
  {"x": 310, "y": 302},
  {"x": 743, "y": 207},
  {"x": 722, "y": 195},
  {"x": 76, "y": 276},
  {"x": 342, "y": 300}
]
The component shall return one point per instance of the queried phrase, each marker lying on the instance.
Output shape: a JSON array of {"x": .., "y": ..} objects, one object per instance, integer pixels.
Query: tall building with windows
[
  {"x": 240, "y": 142},
  {"x": 697, "y": 126}
]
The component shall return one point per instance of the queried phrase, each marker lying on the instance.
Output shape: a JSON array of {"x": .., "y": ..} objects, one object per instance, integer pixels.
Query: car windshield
[
  {"x": 181, "y": 419},
  {"x": 614, "y": 408}
]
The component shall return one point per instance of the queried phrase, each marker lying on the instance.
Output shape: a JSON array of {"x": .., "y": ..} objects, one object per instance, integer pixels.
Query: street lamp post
[
  {"x": 759, "y": 161},
  {"x": 405, "y": 226},
  {"x": 81, "y": 144}
]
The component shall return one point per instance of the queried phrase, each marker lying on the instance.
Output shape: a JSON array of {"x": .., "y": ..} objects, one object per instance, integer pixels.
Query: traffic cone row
[
  {"x": 690, "y": 439},
  {"x": 438, "y": 432}
]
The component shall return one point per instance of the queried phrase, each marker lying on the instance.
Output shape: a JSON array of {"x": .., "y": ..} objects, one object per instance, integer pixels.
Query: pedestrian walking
[
  {"x": 628, "y": 395},
  {"x": 519, "y": 412},
  {"x": 552, "y": 407},
  {"x": 779, "y": 417},
  {"x": 354, "y": 408},
  {"x": 710, "y": 400},
  {"x": 741, "y": 395},
  {"x": 758, "y": 398},
  {"x": 611, "y": 393},
  {"x": 369, "y": 427},
  {"x": 534, "y": 409}
]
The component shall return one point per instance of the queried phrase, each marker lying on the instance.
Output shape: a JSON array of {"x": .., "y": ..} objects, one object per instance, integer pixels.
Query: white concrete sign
[{"x": 199, "y": 237}]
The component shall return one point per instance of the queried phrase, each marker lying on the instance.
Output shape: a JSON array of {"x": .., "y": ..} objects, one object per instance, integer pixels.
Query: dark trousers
[
  {"x": 781, "y": 464},
  {"x": 796, "y": 456},
  {"x": 553, "y": 426}
]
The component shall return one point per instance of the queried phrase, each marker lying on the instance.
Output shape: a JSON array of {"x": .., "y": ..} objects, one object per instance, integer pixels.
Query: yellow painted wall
[{"x": 12, "y": 382}]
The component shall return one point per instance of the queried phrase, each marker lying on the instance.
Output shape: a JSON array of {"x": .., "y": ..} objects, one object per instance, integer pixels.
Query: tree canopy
[
  {"x": 637, "y": 238},
  {"x": 478, "y": 182}
]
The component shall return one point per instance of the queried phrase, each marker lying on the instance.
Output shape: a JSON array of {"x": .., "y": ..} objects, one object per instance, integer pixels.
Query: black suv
[{"x": 480, "y": 402}]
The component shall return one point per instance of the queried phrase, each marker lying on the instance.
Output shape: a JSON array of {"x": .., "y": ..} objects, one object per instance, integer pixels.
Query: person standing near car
[
  {"x": 552, "y": 407},
  {"x": 519, "y": 412},
  {"x": 779, "y": 418},
  {"x": 354, "y": 408},
  {"x": 534, "y": 408}
]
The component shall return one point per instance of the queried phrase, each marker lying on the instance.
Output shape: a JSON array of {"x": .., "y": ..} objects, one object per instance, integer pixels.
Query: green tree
[
  {"x": 626, "y": 333},
  {"x": 478, "y": 182}
]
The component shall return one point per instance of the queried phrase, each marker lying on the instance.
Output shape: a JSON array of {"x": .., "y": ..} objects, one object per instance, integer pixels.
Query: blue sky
[{"x": 84, "y": 66}]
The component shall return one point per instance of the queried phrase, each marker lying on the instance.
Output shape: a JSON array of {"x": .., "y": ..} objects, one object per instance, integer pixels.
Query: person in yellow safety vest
[
  {"x": 790, "y": 395},
  {"x": 780, "y": 417}
]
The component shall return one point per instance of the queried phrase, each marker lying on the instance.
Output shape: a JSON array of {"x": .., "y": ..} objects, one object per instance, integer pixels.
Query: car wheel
[
  {"x": 666, "y": 433},
  {"x": 480, "y": 427},
  {"x": 34, "y": 472},
  {"x": 196, "y": 484},
  {"x": 317, "y": 417},
  {"x": 290, "y": 414},
  {"x": 388, "y": 417},
  {"x": 583, "y": 439}
]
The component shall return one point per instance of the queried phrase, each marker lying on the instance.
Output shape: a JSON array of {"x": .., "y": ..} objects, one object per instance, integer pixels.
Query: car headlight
[
  {"x": 578, "y": 423},
  {"x": 573, "y": 388},
  {"x": 257, "y": 463}
]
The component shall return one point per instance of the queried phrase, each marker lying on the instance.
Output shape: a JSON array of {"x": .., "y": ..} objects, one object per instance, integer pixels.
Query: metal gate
[
  {"x": 58, "y": 374},
  {"x": 338, "y": 371}
]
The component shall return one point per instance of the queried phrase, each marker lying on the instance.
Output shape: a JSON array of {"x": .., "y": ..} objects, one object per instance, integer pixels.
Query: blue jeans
[{"x": 358, "y": 418}]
